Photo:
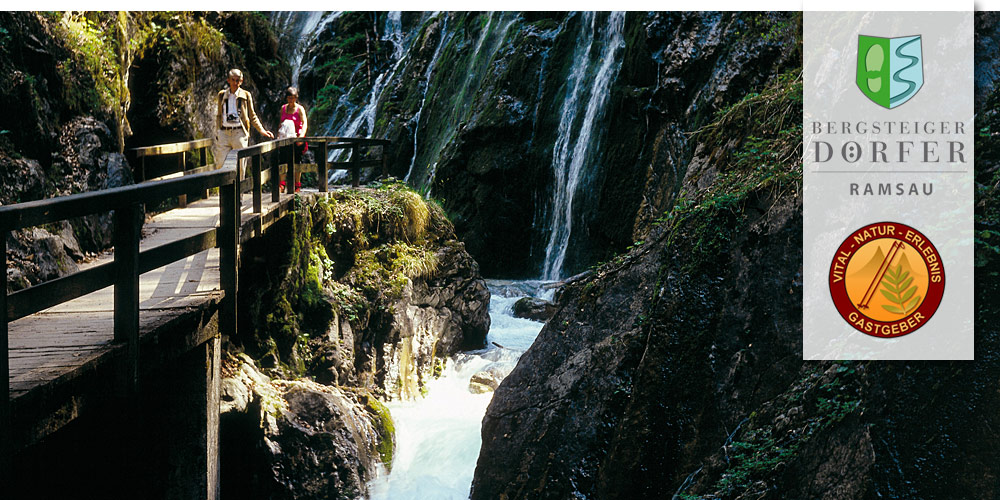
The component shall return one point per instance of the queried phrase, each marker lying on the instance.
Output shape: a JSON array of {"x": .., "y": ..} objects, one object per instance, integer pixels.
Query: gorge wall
[
  {"x": 496, "y": 114},
  {"x": 675, "y": 370}
]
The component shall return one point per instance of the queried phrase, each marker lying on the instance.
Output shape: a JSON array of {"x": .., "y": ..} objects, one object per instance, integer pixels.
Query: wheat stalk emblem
[{"x": 896, "y": 287}]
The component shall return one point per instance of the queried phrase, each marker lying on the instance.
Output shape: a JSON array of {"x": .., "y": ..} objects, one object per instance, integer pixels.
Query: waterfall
[
  {"x": 362, "y": 120},
  {"x": 427, "y": 84},
  {"x": 392, "y": 33},
  {"x": 298, "y": 30},
  {"x": 446, "y": 121},
  {"x": 438, "y": 436},
  {"x": 586, "y": 98}
]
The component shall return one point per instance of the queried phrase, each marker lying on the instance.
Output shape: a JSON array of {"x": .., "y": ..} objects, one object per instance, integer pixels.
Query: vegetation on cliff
[
  {"x": 82, "y": 87},
  {"x": 328, "y": 305},
  {"x": 353, "y": 298}
]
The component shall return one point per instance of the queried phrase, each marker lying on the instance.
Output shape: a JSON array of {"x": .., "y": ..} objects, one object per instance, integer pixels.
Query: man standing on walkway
[{"x": 233, "y": 117}]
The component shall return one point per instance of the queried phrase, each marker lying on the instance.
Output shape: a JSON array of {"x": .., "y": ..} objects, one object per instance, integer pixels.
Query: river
[{"x": 438, "y": 436}]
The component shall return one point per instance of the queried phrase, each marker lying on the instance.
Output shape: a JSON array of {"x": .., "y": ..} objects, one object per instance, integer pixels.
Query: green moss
[{"x": 386, "y": 429}]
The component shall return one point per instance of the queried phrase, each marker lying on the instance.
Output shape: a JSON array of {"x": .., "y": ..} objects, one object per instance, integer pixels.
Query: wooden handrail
[
  {"x": 35, "y": 213},
  {"x": 172, "y": 148},
  {"x": 280, "y": 147}
]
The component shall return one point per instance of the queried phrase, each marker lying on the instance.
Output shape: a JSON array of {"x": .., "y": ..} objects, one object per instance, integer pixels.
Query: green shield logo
[{"x": 890, "y": 70}]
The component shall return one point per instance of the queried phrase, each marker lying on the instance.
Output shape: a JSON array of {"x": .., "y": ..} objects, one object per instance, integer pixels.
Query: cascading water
[
  {"x": 451, "y": 109},
  {"x": 300, "y": 29},
  {"x": 588, "y": 86},
  {"x": 362, "y": 120},
  {"x": 423, "y": 98},
  {"x": 392, "y": 33},
  {"x": 438, "y": 437}
]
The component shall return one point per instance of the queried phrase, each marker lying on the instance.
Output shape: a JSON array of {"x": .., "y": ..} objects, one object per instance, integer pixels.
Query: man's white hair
[{"x": 236, "y": 73}]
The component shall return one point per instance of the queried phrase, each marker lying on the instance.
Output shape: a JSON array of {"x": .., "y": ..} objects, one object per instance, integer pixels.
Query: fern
[{"x": 896, "y": 287}]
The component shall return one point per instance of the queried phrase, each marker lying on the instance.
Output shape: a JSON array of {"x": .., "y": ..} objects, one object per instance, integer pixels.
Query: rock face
[
  {"x": 676, "y": 370},
  {"x": 373, "y": 292},
  {"x": 366, "y": 292},
  {"x": 175, "y": 81},
  {"x": 298, "y": 440},
  {"x": 486, "y": 143}
]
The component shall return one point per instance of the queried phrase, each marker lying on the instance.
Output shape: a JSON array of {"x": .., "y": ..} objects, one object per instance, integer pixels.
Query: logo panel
[
  {"x": 890, "y": 70},
  {"x": 887, "y": 279}
]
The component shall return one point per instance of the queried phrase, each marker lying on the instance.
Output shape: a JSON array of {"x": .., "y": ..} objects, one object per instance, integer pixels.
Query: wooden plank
[
  {"x": 5, "y": 431},
  {"x": 255, "y": 177},
  {"x": 288, "y": 159},
  {"x": 275, "y": 177},
  {"x": 229, "y": 242},
  {"x": 54, "y": 292},
  {"x": 355, "y": 168},
  {"x": 173, "y": 251}
]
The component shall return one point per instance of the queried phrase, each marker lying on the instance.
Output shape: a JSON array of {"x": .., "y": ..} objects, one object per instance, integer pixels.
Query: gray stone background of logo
[{"x": 830, "y": 214}]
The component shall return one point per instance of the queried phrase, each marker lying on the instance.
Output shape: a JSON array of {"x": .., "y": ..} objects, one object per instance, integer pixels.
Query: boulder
[
  {"x": 23, "y": 180},
  {"x": 534, "y": 309},
  {"x": 488, "y": 379},
  {"x": 286, "y": 439}
]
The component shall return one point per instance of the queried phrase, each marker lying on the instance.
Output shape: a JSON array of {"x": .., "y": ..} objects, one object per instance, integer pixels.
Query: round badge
[{"x": 887, "y": 279}]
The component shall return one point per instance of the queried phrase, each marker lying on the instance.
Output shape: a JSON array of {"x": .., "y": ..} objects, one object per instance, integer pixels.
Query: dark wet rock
[
  {"x": 311, "y": 441},
  {"x": 50, "y": 254},
  {"x": 23, "y": 180},
  {"x": 534, "y": 308},
  {"x": 987, "y": 55},
  {"x": 676, "y": 370}
]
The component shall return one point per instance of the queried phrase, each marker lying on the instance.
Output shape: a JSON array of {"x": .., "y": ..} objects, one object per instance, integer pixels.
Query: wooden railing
[
  {"x": 179, "y": 151},
  {"x": 126, "y": 204},
  {"x": 123, "y": 272},
  {"x": 270, "y": 157}
]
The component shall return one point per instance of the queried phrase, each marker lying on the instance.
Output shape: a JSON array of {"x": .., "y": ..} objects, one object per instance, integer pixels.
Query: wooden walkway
[{"x": 64, "y": 343}]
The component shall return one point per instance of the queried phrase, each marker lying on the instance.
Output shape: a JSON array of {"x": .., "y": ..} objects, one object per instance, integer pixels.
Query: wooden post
[
  {"x": 321, "y": 168},
  {"x": 355, "y": 170},
  {"x": 6, "y": 449},
  {"x": 204, "y": 163},
  {"x": 275, "y": 177},
  {"x": 385, "y": 162},
  {"x": 228, "y": 241},
  {"x": 141, "y": 174},
  {"x": 289, "y": 159},
  {"x": 255, "y": 172},
  {"x": 126, "y": 255},
  {"x": 181, "y": 199}
]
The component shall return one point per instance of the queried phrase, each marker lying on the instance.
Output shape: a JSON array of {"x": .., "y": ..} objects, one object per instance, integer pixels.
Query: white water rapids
[{"x": 438, "y": 436}]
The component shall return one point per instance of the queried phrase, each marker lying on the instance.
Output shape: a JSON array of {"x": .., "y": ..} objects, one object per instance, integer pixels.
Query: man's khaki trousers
[{"x": 226, "y": 140}]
